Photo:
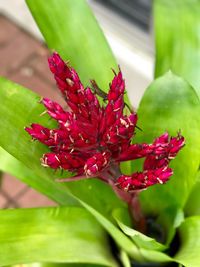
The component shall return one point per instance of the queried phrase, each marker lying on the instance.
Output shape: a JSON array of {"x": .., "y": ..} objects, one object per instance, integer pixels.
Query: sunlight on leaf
[{"x": 67, "y": 234}]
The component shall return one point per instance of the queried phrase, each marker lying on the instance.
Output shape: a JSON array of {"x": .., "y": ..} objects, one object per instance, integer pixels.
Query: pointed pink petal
[
  {"x": 117, "y": 87},
  {"x": 97, "y": 163},
  {"x": 56, "y": 111},
  {"x": 135, "y": 151}
]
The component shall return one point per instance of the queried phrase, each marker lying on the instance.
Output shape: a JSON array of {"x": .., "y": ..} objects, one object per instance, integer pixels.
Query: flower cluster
[{"x": 92, "y": 139}]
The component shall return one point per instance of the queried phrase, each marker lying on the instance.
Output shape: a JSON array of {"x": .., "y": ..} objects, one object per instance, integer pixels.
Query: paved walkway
[{"x": 23, "y": 60}]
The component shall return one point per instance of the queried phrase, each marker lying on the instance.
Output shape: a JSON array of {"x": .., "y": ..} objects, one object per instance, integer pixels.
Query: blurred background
[{"x": 127, "y": 25}]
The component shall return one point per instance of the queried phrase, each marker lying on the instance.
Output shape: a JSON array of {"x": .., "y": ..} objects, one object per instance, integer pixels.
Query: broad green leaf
[
  {"x": 177, "y": 35},
  {"x": 29, "y": 265},
  {"x": 70, "y": 28},
  {"x": 141, "y": 240},
  {"x": 20, "y": 109},
  {"x": 67, "y": 234},
  {"x": 189, "y": 253},
  {"x": 69, "y": 265},
  {"x": 136, "y": 253},
  {"x": 170, "y": 104},
  {"x": 123, "y": 242},
  {"x": 56, "y": 265},
  {"x": 32, "y": 265}
]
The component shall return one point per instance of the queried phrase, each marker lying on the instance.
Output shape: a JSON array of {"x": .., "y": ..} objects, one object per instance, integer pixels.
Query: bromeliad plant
[
  {"x": 91, "y": 140},
  {"x": 107, "y": 162}
]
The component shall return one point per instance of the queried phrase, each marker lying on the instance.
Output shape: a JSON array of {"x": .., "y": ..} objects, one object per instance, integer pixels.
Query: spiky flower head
[{"x": 92, "y": 139}]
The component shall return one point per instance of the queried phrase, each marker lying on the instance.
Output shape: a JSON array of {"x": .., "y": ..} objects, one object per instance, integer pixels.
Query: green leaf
[
  {"x": 19, "y": 110},
  {"x": 136, "y": 253},
  {"x": 68, "y": 265},
  {"x": 170, "y": 104},
  {"x": 122, "y": 241},
  {"x": 30, "y": 265},
  {"x": 56, "y": 265},
  {"x": 170, "y": 219},
  {"x": 192, "y": 206},
  {"x": 141, "y": 240},
  {"x": 189, "y": 253},
  {"x": 70, "y": 28},
  {"x": 67, "y": 234},
  {"x": 125, "y": 259},
  {"x": 178, "y": 39}
]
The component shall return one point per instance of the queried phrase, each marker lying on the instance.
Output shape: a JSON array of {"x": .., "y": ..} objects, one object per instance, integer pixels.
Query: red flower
[{"x": 91, "y": 140}]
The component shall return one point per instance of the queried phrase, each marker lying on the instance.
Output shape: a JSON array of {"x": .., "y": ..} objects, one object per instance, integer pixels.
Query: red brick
[
  {"x": 2, "y": 201},
  {"x": 8, "y": 31},
  {"x": 17, "y": 52},
  {"x": 28, "y": 78},
  {"x": 34, "y": 199},
  {"x": 11, "y": 185},
  {"x": 40, "y": 65}
]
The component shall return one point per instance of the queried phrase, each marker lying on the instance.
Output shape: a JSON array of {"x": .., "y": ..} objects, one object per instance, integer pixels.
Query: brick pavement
[{"x": 23, "y": 60}]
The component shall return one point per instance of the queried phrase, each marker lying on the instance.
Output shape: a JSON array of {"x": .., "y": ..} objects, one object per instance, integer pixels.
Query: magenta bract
[{"x": 92, "y": 139}]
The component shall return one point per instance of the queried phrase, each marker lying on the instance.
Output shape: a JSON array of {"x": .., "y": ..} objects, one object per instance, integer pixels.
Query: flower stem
[
  {"x": 136, "y": 213},
  {"x": 135, "y": 210}
]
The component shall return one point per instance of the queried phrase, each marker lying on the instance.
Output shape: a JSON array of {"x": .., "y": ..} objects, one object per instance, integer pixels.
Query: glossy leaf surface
[
  {"x": 170, "y": 104},
  {"x": 52, "y": 235}
]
